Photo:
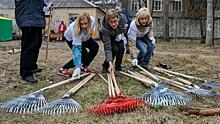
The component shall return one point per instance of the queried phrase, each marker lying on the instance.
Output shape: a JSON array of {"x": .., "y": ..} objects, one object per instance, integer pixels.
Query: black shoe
[
  {"x": 38, "y": 70},
  {"x": 30, "y": 79}
]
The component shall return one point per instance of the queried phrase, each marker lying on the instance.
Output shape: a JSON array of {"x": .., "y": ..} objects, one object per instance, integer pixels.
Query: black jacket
[
  {"x": 108, "y": 35},
  {"x": 29, "y": 13}
]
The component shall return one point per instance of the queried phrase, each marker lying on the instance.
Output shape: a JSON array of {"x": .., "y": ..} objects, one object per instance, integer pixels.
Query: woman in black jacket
[{"x": 112, "y": 31}]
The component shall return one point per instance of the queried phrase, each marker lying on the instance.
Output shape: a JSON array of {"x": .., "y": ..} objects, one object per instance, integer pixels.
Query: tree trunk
[
  {"x": 209, "y": 25},
  {"x": 166, "y": 20},
  {"x": 202, "y": 28}
]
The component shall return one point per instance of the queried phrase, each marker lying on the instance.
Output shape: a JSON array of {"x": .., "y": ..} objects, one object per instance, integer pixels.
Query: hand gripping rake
[
  {"x": 210, "y": 84},
  {"x": 31, "y": 102},
  {"x": 65, "y": 103},
  {"x": 116, "y": 101},
  {"x": 160, "y": 95}
]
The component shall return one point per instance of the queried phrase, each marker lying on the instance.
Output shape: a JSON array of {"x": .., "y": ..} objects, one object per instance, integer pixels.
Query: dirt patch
[{"x": 193, "y": 59}]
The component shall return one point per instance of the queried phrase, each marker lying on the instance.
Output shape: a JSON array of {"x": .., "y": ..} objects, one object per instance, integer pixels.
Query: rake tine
[
  {"x": 65, "y": 103},
  {"x": 31, "y": 102}
]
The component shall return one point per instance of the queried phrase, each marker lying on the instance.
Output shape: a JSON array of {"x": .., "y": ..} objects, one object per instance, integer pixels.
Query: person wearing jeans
[
  {"x": 141, "y": 35},
  {"x": 87, "y": 57},
  {"x": 146, "y": 48}
]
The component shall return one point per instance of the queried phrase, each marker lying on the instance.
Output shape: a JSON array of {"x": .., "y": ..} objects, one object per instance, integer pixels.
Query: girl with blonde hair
[
  {"x": 79, "y": 38},
  {"x": 141, "y": 34}
]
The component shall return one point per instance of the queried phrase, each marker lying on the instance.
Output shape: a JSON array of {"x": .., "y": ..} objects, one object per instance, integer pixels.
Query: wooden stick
[
  {"x": 63, "y": 82},
  {"x": 177, "y": 78},
  {"x": 174, "y": 83},
  {"x": 145, "y": 81},
  {"x": 118, "y": 92},
  {"x": 100, "y": 75},
  {"x": 48, "y": 33},
  {"x": 147, "y": 73},
  {"x": 79, "y": 85},
  {"x": 176, "y": 73},
  {"x": 109, "y": 85},
  {"x": 198, "y": 111}
]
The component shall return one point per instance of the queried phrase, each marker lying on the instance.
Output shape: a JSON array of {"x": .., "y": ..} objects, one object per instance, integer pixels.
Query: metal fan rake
[
  {"x": 160, "y": 95},
  {"x": 65, "y": 103},
  {"x": 116, "y": 102},
  {"x": 31, "y": 102}
]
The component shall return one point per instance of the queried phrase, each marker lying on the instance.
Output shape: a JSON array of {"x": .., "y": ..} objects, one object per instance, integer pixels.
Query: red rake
[{"x": 116, "y": 101}]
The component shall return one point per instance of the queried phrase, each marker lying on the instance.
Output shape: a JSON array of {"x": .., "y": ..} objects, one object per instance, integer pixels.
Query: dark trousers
[
  {"x": 87, "y": 55},
  {"x": 31, "y": 41},
  {"x": 117, "y": 52}
]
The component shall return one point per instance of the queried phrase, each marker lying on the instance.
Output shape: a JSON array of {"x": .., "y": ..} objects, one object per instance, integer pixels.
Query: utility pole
[{"x": 209, "y": 24}]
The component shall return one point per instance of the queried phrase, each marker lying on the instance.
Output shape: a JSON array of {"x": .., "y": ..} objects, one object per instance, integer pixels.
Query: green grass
[{"x": 193, "y": 59}]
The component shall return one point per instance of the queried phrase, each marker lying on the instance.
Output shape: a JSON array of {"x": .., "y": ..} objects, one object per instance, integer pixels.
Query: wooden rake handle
[
  {"x": 177, "y": 74},
  {"x": 109, "y": 85},
  {"x": 63, "y": 82},
  {"x": 138, "y": 75},
  {"x": 145, "y": 81},
  {"x": 81, "y": 83},
  {"x": 173, "y": 83},
  {"x": 147, "y": 72},
  {"x": 117, "y": 90},
  {"x": 100, "y": 75},
  {"x": 177, "y": 78}
]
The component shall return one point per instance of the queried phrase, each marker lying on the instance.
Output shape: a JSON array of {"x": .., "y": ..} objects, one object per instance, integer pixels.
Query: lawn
[{"x": 188, "y": 58}]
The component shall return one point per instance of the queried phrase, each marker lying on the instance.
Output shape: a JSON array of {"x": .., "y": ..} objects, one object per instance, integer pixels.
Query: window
[
  {"x": 135, "y": 5},
  {"x": 157, "y": 5},
  {"x": 176, "y": 5}
]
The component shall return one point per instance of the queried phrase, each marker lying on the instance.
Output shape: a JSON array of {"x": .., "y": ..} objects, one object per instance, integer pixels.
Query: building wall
[
  {"x": 63, "y": 14},
  {"x": 184, "y": 28},
  {"x": 10, "y": 13}
]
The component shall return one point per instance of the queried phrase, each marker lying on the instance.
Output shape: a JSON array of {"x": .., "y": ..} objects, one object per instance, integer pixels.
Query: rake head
[
  {"x": 202, "y": 92},
  {"x": 29, "y": 103},
  {"x": 211, "y": 84},
  {"x": 60, "y": 106},
  {"x": 119, "y": 104},
  {"x": 164, "y": 97}
]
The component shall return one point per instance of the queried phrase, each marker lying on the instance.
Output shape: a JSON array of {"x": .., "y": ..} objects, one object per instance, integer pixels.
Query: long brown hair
[{"x": 77, "y": 28}]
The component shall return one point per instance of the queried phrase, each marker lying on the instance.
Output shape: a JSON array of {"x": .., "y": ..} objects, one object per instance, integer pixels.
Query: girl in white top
[{"x": 79, "y": 34}]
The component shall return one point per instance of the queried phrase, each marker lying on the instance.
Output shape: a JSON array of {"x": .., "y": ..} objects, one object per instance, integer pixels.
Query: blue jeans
[{"x": 145, "y": 51}]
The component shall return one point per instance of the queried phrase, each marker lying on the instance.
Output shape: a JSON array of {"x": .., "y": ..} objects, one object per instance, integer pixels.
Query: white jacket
[{"x": 77, "y": 40}]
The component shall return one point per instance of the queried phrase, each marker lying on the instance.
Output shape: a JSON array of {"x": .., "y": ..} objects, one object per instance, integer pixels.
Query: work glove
[
  {"x": 118, "y": 37},
  {"x": 134, "y": 62},
  {"x": 76, "y": 73},
  {"x": 152, "y": 40}
]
